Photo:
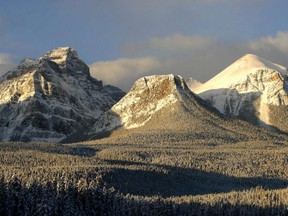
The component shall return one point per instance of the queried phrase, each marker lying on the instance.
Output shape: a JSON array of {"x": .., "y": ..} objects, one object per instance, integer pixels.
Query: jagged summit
[
  {"x": 249, "y": 88},
  {"x": 148, "y": 95},
  {"x": 50, "y": 98},
  {"x": 67, "y": 59},
  {"x": 160, "y": 84},
  {"x": 61, "y": 54}
]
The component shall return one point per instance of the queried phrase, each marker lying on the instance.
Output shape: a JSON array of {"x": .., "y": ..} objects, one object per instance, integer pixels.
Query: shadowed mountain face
[
  {"x": 252, "y": 88},
  {"x": 163, "y": 105},
  {"x": 50, "y": 98}
]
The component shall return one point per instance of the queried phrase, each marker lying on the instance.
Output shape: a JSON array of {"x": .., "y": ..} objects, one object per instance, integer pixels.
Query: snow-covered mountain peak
[
  {"x": 147, "y": 96},
  {"x": 51, "y": 98},
  {"x": 61, "y": 54},
  {"x": 248, "y": 88},
  {"x": 239, "y": 70},
  {"x": 163, "y": 83},
  {"x": 250, "y": 61},
  {"x": 68, "y": 60}
]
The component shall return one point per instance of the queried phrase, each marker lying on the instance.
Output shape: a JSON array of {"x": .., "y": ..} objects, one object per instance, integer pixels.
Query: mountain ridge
[{"x": 177, "y": 112}]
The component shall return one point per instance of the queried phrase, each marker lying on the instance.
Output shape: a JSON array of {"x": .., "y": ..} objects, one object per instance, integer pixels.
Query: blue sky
[{"x": 123, "y": 40}]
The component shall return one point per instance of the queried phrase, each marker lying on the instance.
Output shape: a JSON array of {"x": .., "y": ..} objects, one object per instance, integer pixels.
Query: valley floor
[{"x": 128, "y": 175}]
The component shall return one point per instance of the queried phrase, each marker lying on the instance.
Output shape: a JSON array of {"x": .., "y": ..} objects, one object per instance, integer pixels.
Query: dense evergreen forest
[{"x": 162, "y": 175}]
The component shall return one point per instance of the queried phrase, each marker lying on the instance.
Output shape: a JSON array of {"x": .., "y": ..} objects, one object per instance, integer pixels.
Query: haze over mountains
[{"x": 54, "y": 97}]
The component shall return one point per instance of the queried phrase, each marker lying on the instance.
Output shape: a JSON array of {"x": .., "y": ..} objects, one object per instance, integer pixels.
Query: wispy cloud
[
  {"x": 122, "y": 72},
  {"x": 5, "y": 58},
  {"x": 196, "y": 56},
  {"x": 6, "y": 63},
  {"x": 279, "y": 42}
]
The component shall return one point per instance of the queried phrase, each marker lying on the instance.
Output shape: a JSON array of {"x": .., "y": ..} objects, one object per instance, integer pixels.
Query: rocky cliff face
[
  {"x": 146, "y": 97},
  {"x": 50, "y": 98},
  {"x": 248, "y": 88}
]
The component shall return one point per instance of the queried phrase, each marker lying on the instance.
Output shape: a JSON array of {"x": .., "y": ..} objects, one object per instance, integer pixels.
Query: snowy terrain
[
  {"x": 147, "y": 96},
  {"x": 50, "y": 98},
  {"x": 251, "y": 84}
]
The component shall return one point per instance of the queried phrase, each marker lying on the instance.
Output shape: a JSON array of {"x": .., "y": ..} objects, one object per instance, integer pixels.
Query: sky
[{"x": 123, "y": 40}]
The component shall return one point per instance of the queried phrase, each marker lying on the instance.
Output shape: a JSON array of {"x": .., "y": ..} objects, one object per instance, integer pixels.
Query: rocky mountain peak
[
  {"x": 147, "y": 96},
  {"x": 51, "y": 98},
  {"x": 61, "y": 54},
  {"x": 159, "y": 85},
  {"x": 68, "y": 60}
]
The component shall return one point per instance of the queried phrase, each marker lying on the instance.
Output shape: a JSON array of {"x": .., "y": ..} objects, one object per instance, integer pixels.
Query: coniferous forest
[{"x": 163, "y": 175}]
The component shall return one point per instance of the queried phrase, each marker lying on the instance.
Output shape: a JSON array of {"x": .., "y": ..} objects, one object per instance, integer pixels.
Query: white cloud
[
  {"x": 6, "y": 63},
  {"x": 5, "y": 58},
  {"x": 196, "y": 56},
  {"x": 280, "y": 42},
  {"x": 123, "y": 72}
]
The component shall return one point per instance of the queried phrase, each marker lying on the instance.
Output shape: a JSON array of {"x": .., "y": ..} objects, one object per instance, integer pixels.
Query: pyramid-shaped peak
[
  {"x": 250, "y": 61},
  {"x": 239, "y": 70},
  {"x": 250, "y": 56},
  {"x": 255, "y": 60},
  {"x": 68, "y": 60}
]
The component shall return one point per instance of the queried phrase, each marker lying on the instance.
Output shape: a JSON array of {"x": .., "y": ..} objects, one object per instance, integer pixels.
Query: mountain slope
[
  {"x": 249, "y": 88},
  {"x": 163, "y": 106},
  {"x": 49, "y": 98}
]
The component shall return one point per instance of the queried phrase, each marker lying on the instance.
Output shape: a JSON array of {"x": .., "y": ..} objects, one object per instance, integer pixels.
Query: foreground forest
[{"x": 162, "y": 174}]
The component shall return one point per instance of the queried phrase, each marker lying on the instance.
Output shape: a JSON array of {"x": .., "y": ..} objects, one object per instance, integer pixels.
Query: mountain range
[
  {"x": 164, "y": 106},
  {"x": 54, "y": 98}
]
